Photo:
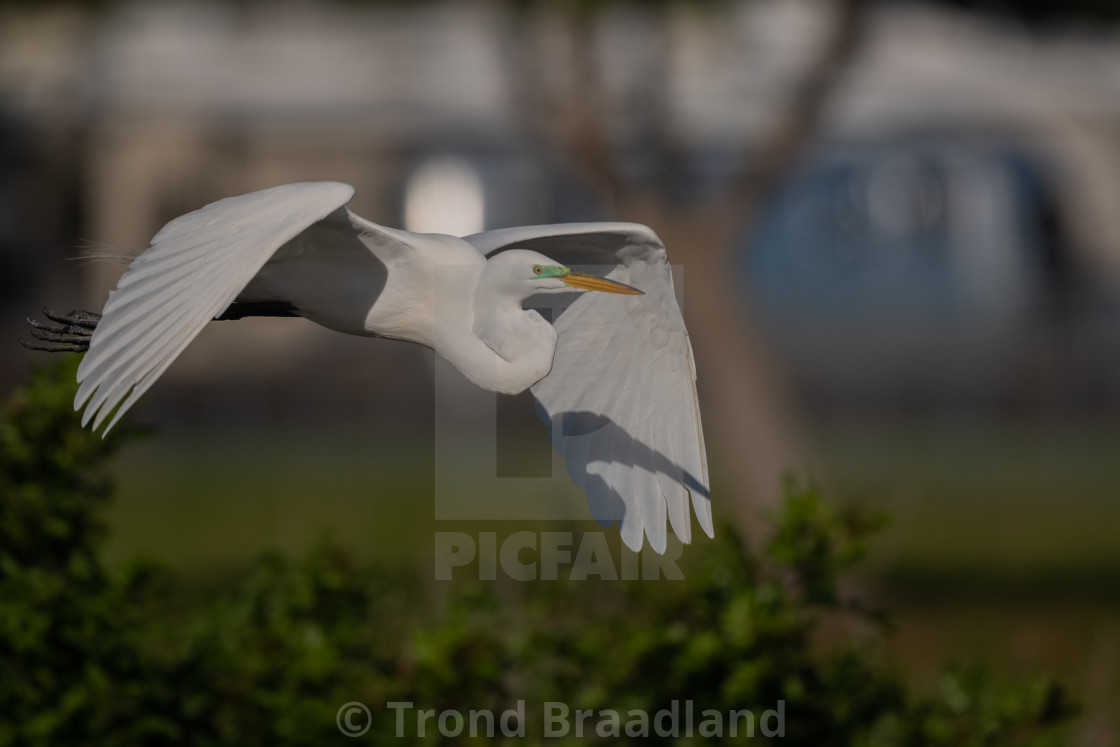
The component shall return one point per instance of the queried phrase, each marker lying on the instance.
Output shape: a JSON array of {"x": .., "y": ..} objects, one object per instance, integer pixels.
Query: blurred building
[{"x": 965, "y": 206}]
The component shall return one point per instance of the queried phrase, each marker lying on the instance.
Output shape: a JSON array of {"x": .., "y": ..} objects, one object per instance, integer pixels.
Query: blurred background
[{"x": 897, "y": 226}]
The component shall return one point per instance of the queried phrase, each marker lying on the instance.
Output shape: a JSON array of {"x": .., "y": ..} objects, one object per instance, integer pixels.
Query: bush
[{"x": 90, "y": 656}]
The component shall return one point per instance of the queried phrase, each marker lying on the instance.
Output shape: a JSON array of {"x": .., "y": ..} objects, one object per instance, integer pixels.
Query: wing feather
[
  {"x": 196, "y": 266},
  {"x": 621, "y": 397}
]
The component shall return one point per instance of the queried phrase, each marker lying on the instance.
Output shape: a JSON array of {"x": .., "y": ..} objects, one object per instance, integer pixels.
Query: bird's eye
[{"x": 537, "y": 270}]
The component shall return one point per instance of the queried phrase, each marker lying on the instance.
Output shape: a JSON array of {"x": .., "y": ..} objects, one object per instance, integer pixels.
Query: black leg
[
  {"x": 242, "y": 309},
  {"x": 70, "y": 333}
]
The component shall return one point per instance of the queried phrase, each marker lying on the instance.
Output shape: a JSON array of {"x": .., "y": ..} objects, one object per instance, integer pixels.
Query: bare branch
[
  {"x": 781, "y": 148},
  {"x": 572, "y": 122}
]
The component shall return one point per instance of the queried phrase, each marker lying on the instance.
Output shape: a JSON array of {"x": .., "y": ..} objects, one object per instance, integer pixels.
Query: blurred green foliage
[{"x": 89, "y": 656}]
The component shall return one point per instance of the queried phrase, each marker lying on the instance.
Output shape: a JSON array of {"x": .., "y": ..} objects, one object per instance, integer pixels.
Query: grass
[
  {"x": 987, "y": 507},
  {"x": 983, "y": 505},
  {"x": 208, "y": 507}
]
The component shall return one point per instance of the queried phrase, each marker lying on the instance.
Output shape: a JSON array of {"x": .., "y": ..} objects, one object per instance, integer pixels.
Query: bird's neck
[{"x": 511, "y": 348}]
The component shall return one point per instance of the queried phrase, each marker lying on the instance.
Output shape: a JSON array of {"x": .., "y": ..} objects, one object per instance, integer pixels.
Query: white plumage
[{"x": 613, "y": 374}]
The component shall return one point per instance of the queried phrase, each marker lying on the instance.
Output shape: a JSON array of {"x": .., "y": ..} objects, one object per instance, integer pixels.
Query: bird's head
[{"x": 526, "y": 273}]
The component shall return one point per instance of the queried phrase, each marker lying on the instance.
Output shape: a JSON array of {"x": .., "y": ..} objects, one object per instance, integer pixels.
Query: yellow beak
[{"x": 583, "y": 281}]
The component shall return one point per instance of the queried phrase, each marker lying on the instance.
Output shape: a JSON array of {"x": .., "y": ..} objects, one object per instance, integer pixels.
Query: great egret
[{"x": 613, "y": 374}]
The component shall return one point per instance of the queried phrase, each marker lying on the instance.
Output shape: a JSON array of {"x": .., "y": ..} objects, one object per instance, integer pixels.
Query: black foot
[{"x": 70, "y": 333}]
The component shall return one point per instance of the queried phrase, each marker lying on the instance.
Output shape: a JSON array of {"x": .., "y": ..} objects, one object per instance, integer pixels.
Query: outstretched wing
[
  {"x": 621, "y": 397},
  {"x": 196, "y": 266}
]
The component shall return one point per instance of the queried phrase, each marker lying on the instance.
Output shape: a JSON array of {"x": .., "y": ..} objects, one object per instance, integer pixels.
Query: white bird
[{"x": 613, "y": 374}]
